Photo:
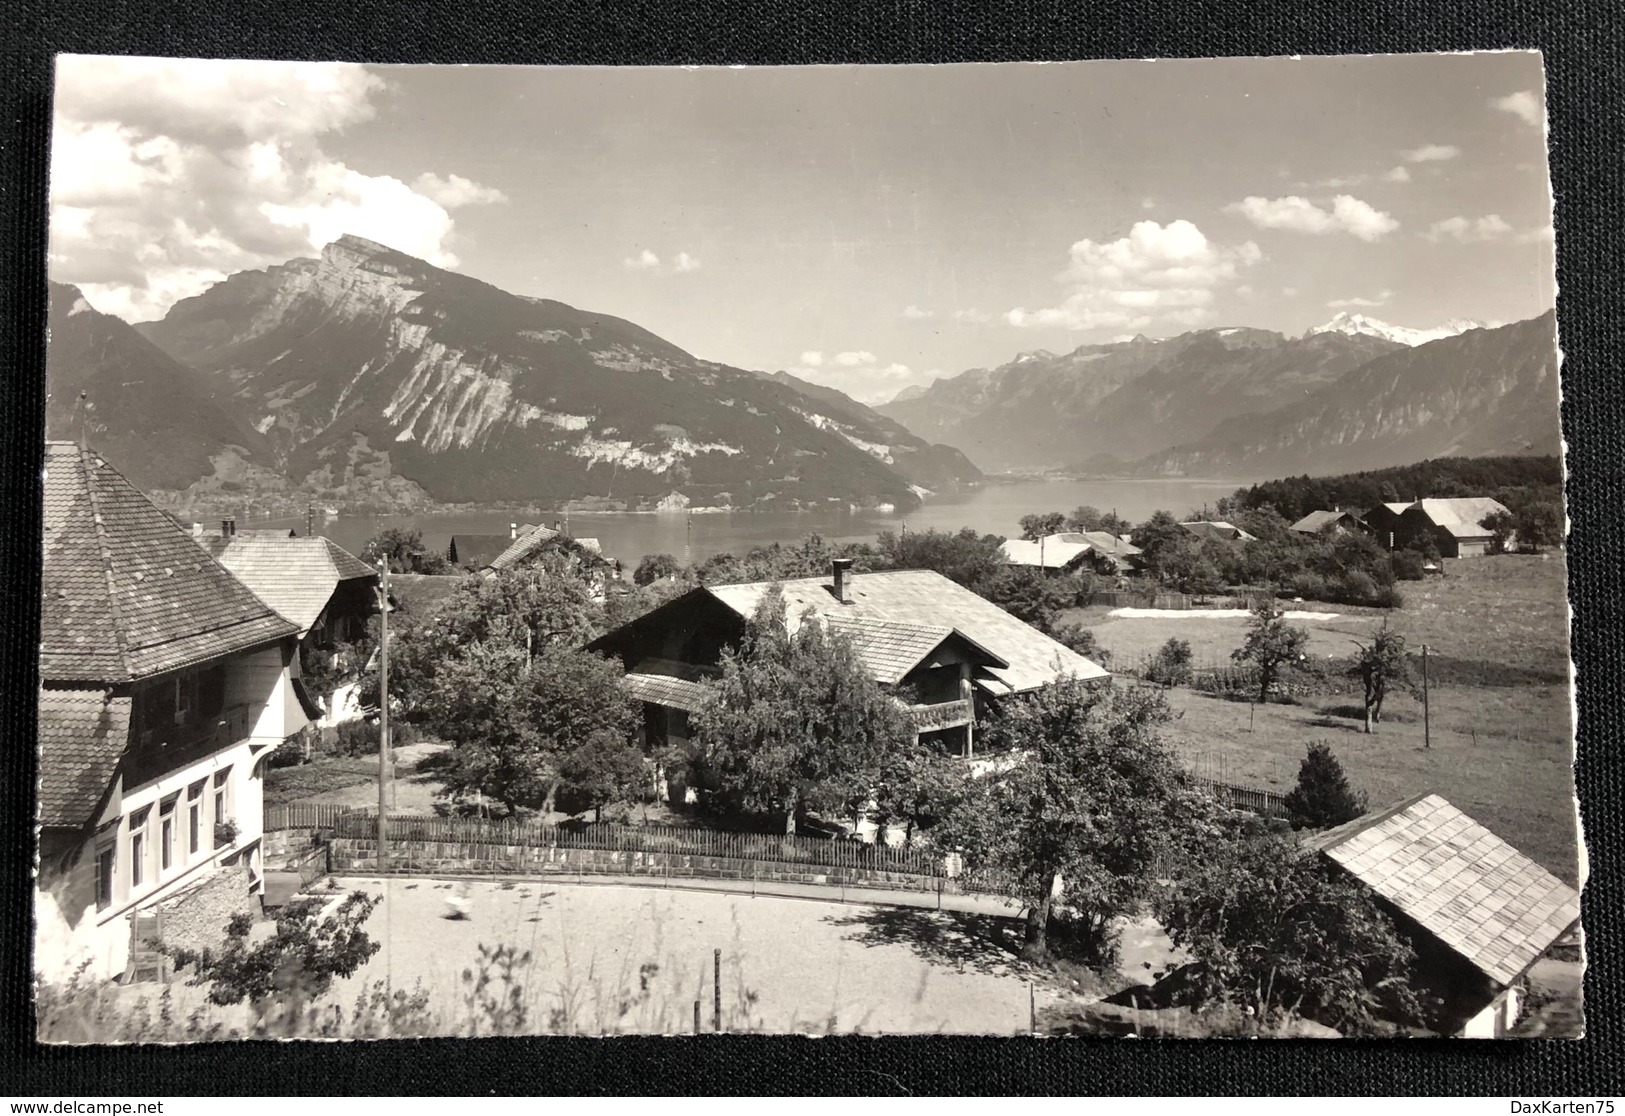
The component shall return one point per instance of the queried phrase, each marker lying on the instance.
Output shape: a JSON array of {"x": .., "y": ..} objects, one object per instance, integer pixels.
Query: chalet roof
[
  {"x": 1461, "y": 883},
  {"x": 478, "y": 550},
  {"x": 1316, "y": 521},
  {"x": 128, "y": 593},
  {"x": 1103, "y": 542},
  {"x": 889, "y": 650},
  {"x": 1216, "y": 529},
  {"x": 82, "y": 735},
  {"x": 296, "y": 576},
  {"x": 1460, "y": 516},
  {"x": 926, "y": 599},
  {"x": 521, "y": 547},
  {"x": 1051, "y": 554}
]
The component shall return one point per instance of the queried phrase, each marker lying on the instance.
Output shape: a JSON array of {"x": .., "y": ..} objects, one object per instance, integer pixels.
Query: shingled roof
[
  {"x": 295, "y": 576},
  {"x": 128, "y": 593},
  {"x": 927, "y": 600},
  {"x": 1461, "y": 883},
  {"x": 82, "y": 735},
  {"x": 1460, "y": 516},
  {"x": 529, "y": 538}
]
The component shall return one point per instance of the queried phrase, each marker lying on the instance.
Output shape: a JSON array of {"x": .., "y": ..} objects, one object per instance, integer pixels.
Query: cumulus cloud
[
  {"x": 860, "y": 374},
  {"x": 1432, "y": 153},
  {"x": 454, "y": 190},
  {"x": 1525, "y": 105},
  {"x": 1347, "y": 214},
  {"x": 169, "y": 174},
  {"x": 685, "y": 262},
  {"x": 643, "y": 261},
  {"x": 1469, "y": 229},
  {"x": 1156, "y": 272},
  {"x": 1346, "y": 303},
  {"x": 915, "y": 313},
  {"x": 1398, "y": 174}
]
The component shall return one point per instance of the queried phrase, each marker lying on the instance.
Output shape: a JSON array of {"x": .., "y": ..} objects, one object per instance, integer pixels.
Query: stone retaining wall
[
  {"x": 354, "y": 855},
  {"x": 197, "y": 917}
]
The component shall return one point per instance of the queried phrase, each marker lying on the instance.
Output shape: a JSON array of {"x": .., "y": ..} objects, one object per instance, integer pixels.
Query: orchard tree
[
  {"x": 1271, "y": 643},
  {"x": 1041, "y": 524},
  {"x": 796, "y": 722},
  {"x": 1085, "y": 815},
  {"x": 1323, "y": 797},
  {"x": 299, "y": 960},
  {"x": 607, "y": 767},
  {"x": 1379, "y": 665},
  {"x": 1274, "y": 929},
  {"x": 917, "y": 784},
  {"x": 514, "y": 721},
  {"x": 655, "y": 567}
]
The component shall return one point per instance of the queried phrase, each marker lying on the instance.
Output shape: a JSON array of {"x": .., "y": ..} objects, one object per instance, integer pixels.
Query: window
[
  {"x": 138, "y": 847},
  {"x": 222, "y": 784},
  {"x": 194, "y": 817},
  {"x": 166, "y": 834},
  {"x": 106, "y": 865}
]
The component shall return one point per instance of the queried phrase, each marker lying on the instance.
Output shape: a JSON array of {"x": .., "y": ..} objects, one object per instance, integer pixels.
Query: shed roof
[
  {"x": 1460, "y": 516},
  {"x": 926, "y": 599},
  {"x": 296, "y": 576},
  {"x": 664, "y": 689},
  {"x": 1457, "y": 880},
  {"x": 82, "y": 735},
  {"x": 128, "y": 593}
]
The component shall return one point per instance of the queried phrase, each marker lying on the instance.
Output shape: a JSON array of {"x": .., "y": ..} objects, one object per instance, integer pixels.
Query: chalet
[
  {"x": 1108, "y": 552},
  {"x": 1383, "y": 522},
  {"x": 1337, "y": 522},
  {"x": 952, "y": 649},
  {"x": 1071, "y": 551},
  {"x": 1478, "y": 912},
  {"x": 1217, "y": 529},
  {"x": 164, "y": 684},
  {"x": 1454, "y": 524},
  {"x": 329, "y": 593}
]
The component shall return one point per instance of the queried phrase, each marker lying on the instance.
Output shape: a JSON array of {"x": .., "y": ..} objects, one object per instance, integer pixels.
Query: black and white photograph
[{"x": 1008, "y": 549}]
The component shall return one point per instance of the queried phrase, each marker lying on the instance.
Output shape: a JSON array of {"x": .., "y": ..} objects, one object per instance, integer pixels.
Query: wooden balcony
[
  {"x": 162, "y": 750},
  {"x": 942, "y": 715}
]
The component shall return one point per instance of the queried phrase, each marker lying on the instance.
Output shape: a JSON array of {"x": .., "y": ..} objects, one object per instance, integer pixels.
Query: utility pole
[
  {"x": 383, "y": 709},
  {"x": 1427, "y": 730}
]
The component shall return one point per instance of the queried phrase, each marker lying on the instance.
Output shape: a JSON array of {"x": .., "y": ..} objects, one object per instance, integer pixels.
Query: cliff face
[
  {"x": 367, "y": 358},
  {"x": 1486, "y": 391}
]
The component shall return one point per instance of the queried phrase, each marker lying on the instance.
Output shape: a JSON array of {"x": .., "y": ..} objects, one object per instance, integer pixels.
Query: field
[{"x": 1500, "y": 713}]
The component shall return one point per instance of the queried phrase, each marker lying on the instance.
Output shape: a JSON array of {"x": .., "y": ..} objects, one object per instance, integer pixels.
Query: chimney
[
  {"x": 513, "y": 531},
  {"x": 841, "y": 568},
  {"x": 228, "y": 527}
]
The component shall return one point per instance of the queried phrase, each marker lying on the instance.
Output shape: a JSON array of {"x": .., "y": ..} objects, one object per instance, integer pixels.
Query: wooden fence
[
  {"x": 1256, "y": 799},
  {"x": 304, "y": 815}
]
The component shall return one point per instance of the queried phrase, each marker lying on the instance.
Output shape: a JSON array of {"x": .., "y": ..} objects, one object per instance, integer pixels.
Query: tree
[
  {"x": 1380, "y": 664},
  {"x": 1040, "y": 525},
  {"x": 796, "y": 722},
  {"x": 1323, "y": 797},
  {"x": 1028, "y": 595},
  {"x": 1274, "y": 929},
  {"x": 917, "y": 784},
  {"x": 405, "y": 550},
  {"x": 1087, "y": 518},
  {"x": 655, "y": 567},
  {"x": 514, "y": 721},
  {"x": 964, "y": 557},
  {"x": 1084, "y": 816},
  {"x": 1172, "y": 664},
  {"x": 1271, "y": 643},
  {"x": 301, "y": 958},
  {"x": 1082, "y": 640},
  {"x": 608, "y": 767}
]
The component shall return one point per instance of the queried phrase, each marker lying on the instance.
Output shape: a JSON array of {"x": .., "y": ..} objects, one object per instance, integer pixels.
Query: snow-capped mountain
[{"x": 1353, "y": 324}]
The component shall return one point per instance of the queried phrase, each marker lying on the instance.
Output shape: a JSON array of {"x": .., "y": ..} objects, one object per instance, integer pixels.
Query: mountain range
[
  {"x": 368, "y": 375},
  {"x": 1355, "y": 393}
]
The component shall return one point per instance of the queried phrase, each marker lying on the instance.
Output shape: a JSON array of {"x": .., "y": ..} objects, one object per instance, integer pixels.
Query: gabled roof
[
  {"x": 529, "y": 538},
  {"x": 1103, "y": 542},
  {"x": 1460, "y": 516},
  {"x": 889, "y": 650},
  {"x": 295, "y": 576},
  {"x": 1052, "y": 553},
  {"x": 1461, "y": 883},
  {"x": 926, "y": 599},
  {"x": 128, "y": 593},
  {"x": 477, "y": 550},
  {"x": 82, "y": 735},
  {"x": 1316, "y": 521},
  {"x": 1216, "y": 529}
]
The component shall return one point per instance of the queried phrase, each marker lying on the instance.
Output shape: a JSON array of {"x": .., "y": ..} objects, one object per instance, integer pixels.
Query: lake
[{"x": 995, "y": 509}]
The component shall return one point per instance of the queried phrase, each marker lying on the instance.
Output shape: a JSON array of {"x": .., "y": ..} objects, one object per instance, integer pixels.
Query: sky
[{"x": 868, "y": 228}]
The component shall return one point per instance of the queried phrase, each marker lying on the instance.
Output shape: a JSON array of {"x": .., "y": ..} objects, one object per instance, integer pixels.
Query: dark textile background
[{"x": 1582, "y": 45}]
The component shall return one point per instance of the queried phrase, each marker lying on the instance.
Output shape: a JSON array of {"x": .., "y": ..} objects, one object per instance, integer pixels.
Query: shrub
[
  {"x": 1172, "y": 664},
  {"x": 1323, "y": 797},
  {"x": 1356, "y": 587},
  {"x": 289, "y": 753},
  {"x": 1408, "y": 565},
  {"x": 1310, "y": 586},
  {"x": 1388, "y": 596},
  {"x": 1082, "y": 640}
]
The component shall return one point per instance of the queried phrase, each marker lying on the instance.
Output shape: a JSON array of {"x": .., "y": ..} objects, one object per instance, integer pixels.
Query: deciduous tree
[
  {"x": 1380, "y": 665},
  {"x": 1271, "y": 644},
  {"x": 655, "y": 567},
  {"x": 1040, "y": 524}
]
